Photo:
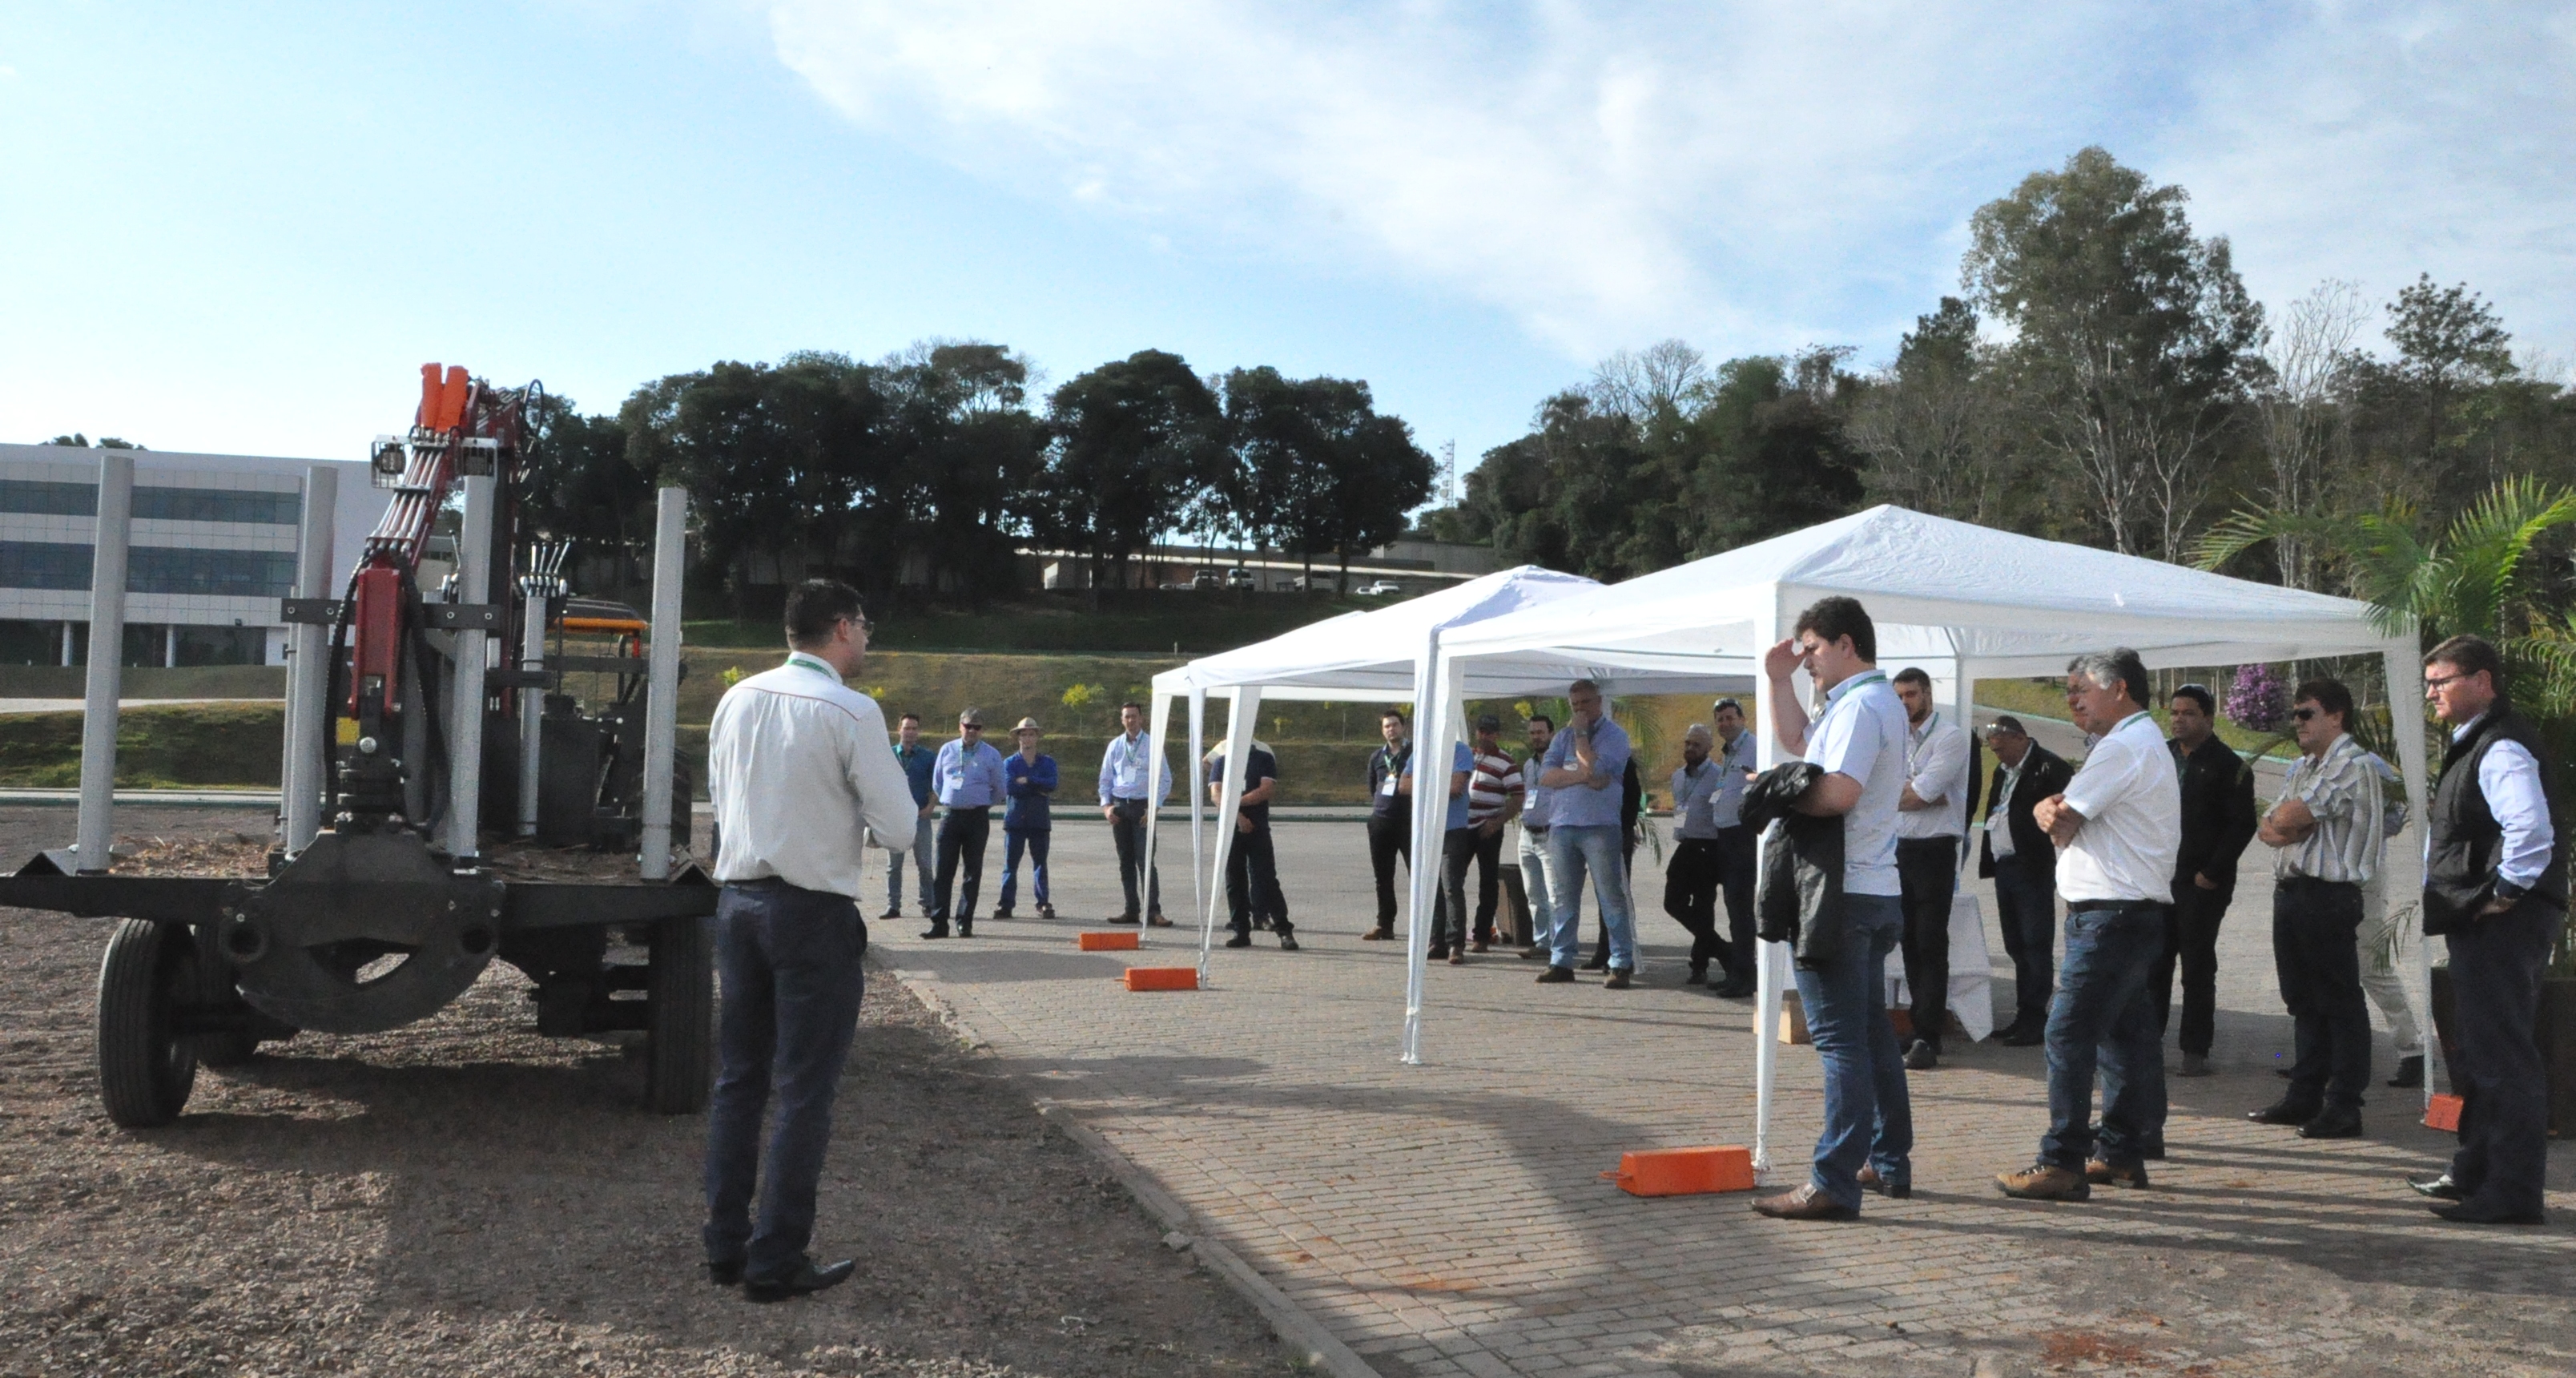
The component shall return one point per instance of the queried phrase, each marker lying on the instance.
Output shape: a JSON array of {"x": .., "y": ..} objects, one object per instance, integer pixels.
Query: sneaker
[
  {"x": 1239, "y": 940},
  {"x": 1458, "y": 958},
  {"x": 2103, "y": 1174},
  {"x": 1002, "y": 913},
  {"x": 2044, "y": 1182},
  {"x": 1383, "y": 933},
  {"x": 965, "y": 928},
  {"x": 1556, "y": 976},
  {"x": 1047, "y": 912},
  {"x": 1921, "y": 1057},
  {"x": 2195, "y": 1065},
  {"x": 1619, "y": 979}
]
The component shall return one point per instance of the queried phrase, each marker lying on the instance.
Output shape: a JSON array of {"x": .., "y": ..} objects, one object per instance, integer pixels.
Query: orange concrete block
[
  {"x": 2444, "y": 1113},
  {"x": 1685, "y": 1171},
  {"x": 1162, "y": 978},
  {"x": 1108, "y": 942}
]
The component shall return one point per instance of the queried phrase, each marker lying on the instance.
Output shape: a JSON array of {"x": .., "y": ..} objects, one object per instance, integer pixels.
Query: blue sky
[{"x": 244, "y": 230}]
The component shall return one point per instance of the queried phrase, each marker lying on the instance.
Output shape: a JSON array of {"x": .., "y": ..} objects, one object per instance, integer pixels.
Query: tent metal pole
[
  {"x": 1158, "y": 718},
  {"x": 1242, "y": 711},
  {"x": 1198, "y": 800},
  {"x": 307, "y": 671},
  {"x": 2406, "y": 724},
  {"x": 1768, "y": 751},
  {"x": 1430, "y": 808}
]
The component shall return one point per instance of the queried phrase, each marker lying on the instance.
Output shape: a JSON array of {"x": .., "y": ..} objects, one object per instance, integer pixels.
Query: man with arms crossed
[
  {"x": 2495, "y": 889},
  {"x": 2117, "y": 828},
  {"x": 1735, "y": 848},
  {"x": 1859, "y": 742},
  {"x": 1931, "y": 817},
  {"x": 1124, "y": 769},
  {"x": 1582, "y": 768},
  {"x": 796, "y": 763}
]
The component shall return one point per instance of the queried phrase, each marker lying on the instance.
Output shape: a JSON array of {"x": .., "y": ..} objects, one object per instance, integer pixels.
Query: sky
[{"x": 241, "y": 229}]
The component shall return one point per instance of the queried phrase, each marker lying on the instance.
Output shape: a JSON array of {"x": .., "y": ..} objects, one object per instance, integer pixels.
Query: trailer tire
[
  {"x": 145, "y": 1068},
  {"x": 215, "y": 987},
  {"x": 681, "y": 989}
]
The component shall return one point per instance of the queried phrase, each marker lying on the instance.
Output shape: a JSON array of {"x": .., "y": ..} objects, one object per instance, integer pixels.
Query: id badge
[{"x": 1388, "y": 788}]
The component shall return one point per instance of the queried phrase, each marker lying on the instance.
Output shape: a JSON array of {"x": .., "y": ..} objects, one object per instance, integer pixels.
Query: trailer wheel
[
  {"x": 681, "y": 989},
  {"x": 215, "y": 987},
  {"x": 145, "y": 1068}
]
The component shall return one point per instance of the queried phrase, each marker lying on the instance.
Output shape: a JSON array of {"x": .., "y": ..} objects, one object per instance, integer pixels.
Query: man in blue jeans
[
  {"x": 796, "y": 765},
  {"x": 1859, "y": 742},
  {"x": 1581, "y": 772},
  {"x": 2118, "y": 830}
]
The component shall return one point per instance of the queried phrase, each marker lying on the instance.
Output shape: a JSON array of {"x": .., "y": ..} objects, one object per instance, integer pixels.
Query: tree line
[
  {"x": 2102, "y": 376},
  {"x": 933, "y": 466}
]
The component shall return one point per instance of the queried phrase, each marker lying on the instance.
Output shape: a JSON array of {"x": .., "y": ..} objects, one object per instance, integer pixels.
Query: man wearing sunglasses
[
  {"x": 2326, "y": 845},
  {"x": 971, "y": 781}
]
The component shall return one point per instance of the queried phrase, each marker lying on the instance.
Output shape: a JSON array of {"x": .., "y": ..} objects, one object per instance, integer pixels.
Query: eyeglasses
[
  {"x": 865, "y": 626},
  {"x": 970, "y": 727},
  {"x": 2433, "y": 682}
]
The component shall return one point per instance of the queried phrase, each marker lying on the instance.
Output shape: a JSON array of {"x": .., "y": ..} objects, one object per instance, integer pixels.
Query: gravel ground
[{"x": 463, "y": 1196}]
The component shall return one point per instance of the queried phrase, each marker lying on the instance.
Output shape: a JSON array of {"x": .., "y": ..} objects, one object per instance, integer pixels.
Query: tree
[
  {"x": 1129, "y": 444},
  {"x": 78, "y": 441},
  {"x": 1927, "y": 422},
  {"x": 578, "y": 483},
  {"x": 962, "y": 450},
  {"x": 2132, "y": 338},
  {"x": 2447, "y": 339},
  {"x": 2308, "y": 361},
  {"x": 1317, "y": 470}
]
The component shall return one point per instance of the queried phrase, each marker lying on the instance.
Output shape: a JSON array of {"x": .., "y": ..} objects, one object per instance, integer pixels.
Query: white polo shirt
[
  {"x": 2132, "y": 806},
  {"x": 797, "y": 765},
  {"x": 1862, "y": 735}
]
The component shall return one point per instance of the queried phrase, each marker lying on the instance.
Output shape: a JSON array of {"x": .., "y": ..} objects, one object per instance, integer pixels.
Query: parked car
[
  {"x": 1204, "y": 579},
  {"x": 1241, "y": 578},
  {"x": 1380, "y": 589}
]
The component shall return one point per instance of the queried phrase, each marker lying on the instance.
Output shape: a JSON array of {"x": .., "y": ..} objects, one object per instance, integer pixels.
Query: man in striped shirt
[
  {"x": 2326, "y": 841},
  {"x": 1493, "y": 799}
]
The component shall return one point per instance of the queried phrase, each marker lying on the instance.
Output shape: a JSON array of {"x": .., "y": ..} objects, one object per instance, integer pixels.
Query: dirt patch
[{"x": 465, "y": 1197}]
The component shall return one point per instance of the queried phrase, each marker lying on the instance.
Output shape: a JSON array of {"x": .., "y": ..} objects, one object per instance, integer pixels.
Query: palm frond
[{"x": 2489, "y": 544}]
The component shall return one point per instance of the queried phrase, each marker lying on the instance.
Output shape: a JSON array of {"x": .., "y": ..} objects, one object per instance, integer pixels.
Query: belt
[
  {"x": 2313, "y": 881},
  {"x": 2119, "y": 906},
  {"x": 1534, "y": 827}
]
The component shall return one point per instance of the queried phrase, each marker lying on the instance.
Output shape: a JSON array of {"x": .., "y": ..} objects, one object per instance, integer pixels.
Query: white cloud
[{"x": 1749, "y": 175}]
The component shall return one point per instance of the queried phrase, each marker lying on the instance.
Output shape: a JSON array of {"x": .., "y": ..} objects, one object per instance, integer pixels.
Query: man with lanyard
[
  {"x": 2217, "y": 821},
  {"x": 968, "y": 776},
  {"x": 1858, "y": 745},
  {"x": 1533, "y": 845},
  {"x": 796, "y": 764},
  {"x": 2495, "y": 889},
  {"x": 1583, "y": 767},
  {"x": 1252, "y": 893},
  {"x": 1390, "y": 823},
  {"x": 2022, "y": 862},
  {"x": 1028, "y": 821},
  {"x": 1125, "y": 769},
  {"x": 915, "y": 759},
  {"x": 2117, "y": 828},
  {"x": 1691, "y": 877},
  {"x": 1735, "y": 848},
  {"x": 1931, "y": 817},
  {"x": 1457, "y": 848},
  {"x": 2324, "y": 835}
]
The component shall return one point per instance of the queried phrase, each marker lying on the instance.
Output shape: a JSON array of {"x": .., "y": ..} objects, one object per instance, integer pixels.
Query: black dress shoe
[
  {"x": 892, "y": 911},
  {"x": 1698, "y": 977},
  {"x": 2476, "y": 1213},
  {"x": 1002, "y": 913},
  {"x": 1287, "y": 941},
  {"x": 2333, "y": 1124},
  {"x": 937, "y": 930},
  {"x": 1127, "y": 919},
  {"x": 1733, "y": 990},
  {"x": 1439, "y": 952},
  {"x": 804, "y": 1281},
  {"x": 2283, "y": 1112},
  {"x": 965, "y": 928},
  {"x": 2440, "y": 1188},
  {"x": 1239, "y": 940},
  {"x": 1600, "y": 962},
  {"x": 2025, "y": 1036},
  {"x": 725, "y": 1274},
  {"x": 2410, "y": 1074}
]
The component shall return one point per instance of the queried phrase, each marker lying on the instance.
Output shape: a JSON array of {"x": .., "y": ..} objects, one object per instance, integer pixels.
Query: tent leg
[
  {"x": 1240, "y": 714},
  {"x": 1198, "y": 799},
  {"x": 1160, "y": 717}
]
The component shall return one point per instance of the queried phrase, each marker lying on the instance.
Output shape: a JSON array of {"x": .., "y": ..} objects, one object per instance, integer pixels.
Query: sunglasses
[{"x": 2304, "y": 714}]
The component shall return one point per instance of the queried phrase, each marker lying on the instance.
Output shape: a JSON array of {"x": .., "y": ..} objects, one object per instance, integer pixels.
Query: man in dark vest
[{"x": 2495, "y": 889}]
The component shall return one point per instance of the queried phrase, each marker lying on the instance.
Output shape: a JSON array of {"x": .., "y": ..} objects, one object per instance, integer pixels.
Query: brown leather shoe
[
  {"x": 1383, "y": 933},
  {"x": 2044, "y": 1182},
  {"x": 2102, "y": 1174},
  {"x": 1870, "y": 1181},
  {"x": 1806, "y": 1203}
]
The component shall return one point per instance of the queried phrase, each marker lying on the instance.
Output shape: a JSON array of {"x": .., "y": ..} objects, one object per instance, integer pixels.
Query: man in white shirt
[
  {"x": 1859, "y": 741},
  {"x": 796, "y": 765},
  {"x": 1931, "y": 818},
  {"x": 1125, "y": 770},
  {"x": 2118, "y": 828}
]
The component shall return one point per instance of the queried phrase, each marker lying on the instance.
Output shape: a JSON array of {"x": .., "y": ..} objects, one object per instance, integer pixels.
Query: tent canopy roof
[
  {"x": 1373, "y": 654},
  {"x": 1936, "y": 589}
]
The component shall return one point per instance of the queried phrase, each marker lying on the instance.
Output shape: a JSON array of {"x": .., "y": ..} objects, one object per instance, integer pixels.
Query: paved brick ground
[{"x": 1449, "y": 1219}]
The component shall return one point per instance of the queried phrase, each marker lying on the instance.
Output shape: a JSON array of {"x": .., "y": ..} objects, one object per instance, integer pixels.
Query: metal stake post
[
  {"x": 97, "y": 827},
  {"x": 465, "y": 692},
  {"x": 308, "y": 663},
  {"x": 662, "y": 711},
  {"x": 532, "y": 707}
]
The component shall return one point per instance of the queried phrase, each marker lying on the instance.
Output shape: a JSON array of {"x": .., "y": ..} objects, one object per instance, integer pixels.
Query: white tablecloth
[{"x": 1971, "y": 971}]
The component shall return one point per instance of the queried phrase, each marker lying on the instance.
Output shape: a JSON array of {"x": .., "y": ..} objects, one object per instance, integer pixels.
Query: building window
[
  {"x": 152, "y": 569},
  {"x": 251, "y": 506},
  {"x": 49, "y": 499},
  {"x": 43, "y": 565}
]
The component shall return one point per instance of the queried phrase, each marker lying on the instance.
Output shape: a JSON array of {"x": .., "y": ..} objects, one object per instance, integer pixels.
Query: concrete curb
[{"x": 1305, "y": 1335}]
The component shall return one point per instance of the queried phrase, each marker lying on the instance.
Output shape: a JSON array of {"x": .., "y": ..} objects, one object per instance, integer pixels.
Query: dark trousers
[
  {"x": 789, "y": 960},
  {"x": 1736, "y": 849},
  {"x": 1691, "y": 882},
  {"x": 1927, "y": 870},
  {"x": 2316, "y": 926},
  {"x": 1390, "y": 836},
  {"x": 1127, "y": 829},
  {"x": 2495, "y": 1060},
  {"x": 1252, "y": 882},
  {"x": 962, "y": 834},
  {"x": 1489, "y": 880},
  {"x": 1034, "y": 842},
  {"x": 2191, "y": 941},
  {"x": 2026, "y": 910},
  {"x": 2101, "y": 1020},
  {"x": 1449, "y": 911}
]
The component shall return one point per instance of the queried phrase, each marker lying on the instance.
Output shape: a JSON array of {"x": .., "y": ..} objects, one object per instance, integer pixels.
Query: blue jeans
[
  {"x": 789, "y": 960},
  {"x": 1868, "y": 1115},
  {"x": 1534, "y": 885},
  {"x": 1034, "y": 841},
  {"x": 1570, "y": 852},
  {"x": 922, "y": 861},
  {"x": 2104, "y": 1018}
]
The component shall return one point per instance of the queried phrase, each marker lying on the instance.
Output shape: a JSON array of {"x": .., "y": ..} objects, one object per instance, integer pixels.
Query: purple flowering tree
[{"x": 2258, "y": 698}]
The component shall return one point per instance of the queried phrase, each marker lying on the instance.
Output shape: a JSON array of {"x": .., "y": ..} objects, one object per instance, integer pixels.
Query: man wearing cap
[
  {"x": 1029, "y": 778},
  {"x": 2021, "y": 860},
  {"x": 1493, "y": 799},
  {"x": 1691, "y": 877},
  {"x": 969, "y": 778},
  {"x": 1252, "y": 890},
  {"x": 1126, "y": 774}
]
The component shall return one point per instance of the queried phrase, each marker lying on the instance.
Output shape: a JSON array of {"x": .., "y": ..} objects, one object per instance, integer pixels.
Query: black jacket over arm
[
  {"x": 2043, "y": 773},
  {"x": 2217, "y": 812}
]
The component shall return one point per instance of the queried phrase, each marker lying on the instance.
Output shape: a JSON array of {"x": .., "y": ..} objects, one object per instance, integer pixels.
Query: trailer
[{"x": 444, "y": 803}]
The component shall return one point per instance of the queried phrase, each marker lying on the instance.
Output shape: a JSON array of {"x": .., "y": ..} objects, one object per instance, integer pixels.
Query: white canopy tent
[
  {"x": 1959, "y": 600},
  {"x": 1382, "y": 655}
]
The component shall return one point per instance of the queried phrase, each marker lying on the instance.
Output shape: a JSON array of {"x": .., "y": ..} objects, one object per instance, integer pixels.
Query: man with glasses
[
  {"x": 2116, "y": 829},
  {"x": 2217, "y": 822},
  {"x": 971, "y": 782},
  {"x": 1582, "y": 770},
  {"x": 2324, "y": 833}
]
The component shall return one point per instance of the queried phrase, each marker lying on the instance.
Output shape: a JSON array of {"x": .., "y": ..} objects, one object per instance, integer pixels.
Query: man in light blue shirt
[
  {"x": 1581, "y": 771},
  {"x": 1124, "y": 770},
  {"x": 970, "y": 781},
  {"x": 1868, "y": 1139}
]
